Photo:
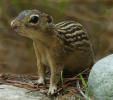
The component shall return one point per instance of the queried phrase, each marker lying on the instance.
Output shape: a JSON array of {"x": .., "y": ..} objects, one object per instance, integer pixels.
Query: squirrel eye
[{"x": 34, "y": 19}]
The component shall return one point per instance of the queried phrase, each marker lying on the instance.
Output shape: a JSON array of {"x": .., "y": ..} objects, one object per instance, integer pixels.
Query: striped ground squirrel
[{"x": 63, "y": 46}]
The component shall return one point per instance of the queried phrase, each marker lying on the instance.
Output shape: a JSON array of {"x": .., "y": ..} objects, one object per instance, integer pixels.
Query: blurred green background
[{"x": 17, "y": 53}]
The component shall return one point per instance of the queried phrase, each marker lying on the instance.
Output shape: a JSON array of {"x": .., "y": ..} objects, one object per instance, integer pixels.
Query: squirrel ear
[{"x": 49, "y": 19}]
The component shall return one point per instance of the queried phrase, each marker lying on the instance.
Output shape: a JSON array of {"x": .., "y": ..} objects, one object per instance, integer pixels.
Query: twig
[
  {"x": 69, "y": 94},
  {"x": 78, "y": 86}
]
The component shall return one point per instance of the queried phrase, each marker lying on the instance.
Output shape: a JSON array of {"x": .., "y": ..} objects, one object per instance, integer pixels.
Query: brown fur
[{"x": 51, "y": 50}]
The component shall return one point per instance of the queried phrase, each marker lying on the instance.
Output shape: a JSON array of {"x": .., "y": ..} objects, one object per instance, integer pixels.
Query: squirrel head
[{"x": 33, "y": 24}]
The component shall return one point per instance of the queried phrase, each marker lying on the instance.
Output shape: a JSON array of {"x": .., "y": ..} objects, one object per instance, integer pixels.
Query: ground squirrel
[{"x": 63, "y": 46}]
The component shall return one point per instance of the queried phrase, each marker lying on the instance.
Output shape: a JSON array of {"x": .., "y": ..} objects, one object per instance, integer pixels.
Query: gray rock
[
  {"x": 8, "y": 92},
  {"x": 100, "y": 82}
]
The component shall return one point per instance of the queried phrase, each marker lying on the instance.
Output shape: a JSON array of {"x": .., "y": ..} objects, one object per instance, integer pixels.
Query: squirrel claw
[
  {"x": 39, "y": 83},
  {"x": 52, "y": 90}
]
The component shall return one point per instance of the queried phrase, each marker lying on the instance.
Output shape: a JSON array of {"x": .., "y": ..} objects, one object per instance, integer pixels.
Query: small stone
[{"x": 78, "y": 37}]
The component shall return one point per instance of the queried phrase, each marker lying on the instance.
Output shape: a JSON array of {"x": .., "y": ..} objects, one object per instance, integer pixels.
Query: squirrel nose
[{"x": 14, "y": 24}]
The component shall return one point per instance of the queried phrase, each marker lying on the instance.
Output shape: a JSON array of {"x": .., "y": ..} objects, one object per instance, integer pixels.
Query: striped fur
[{"x": 72, "y": 34}]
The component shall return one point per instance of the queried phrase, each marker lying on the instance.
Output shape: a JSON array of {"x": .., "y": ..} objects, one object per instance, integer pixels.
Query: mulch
[{"x": 27, "y": 82}]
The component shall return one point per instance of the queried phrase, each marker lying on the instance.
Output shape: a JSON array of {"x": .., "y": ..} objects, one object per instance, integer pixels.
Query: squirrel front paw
[
  {"x": 52, "y": 89},
  {"x": 39, "y": 82}
]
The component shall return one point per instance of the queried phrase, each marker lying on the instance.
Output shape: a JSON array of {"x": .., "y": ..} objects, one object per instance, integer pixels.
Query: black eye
[{"x": 34, "y": 19}]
